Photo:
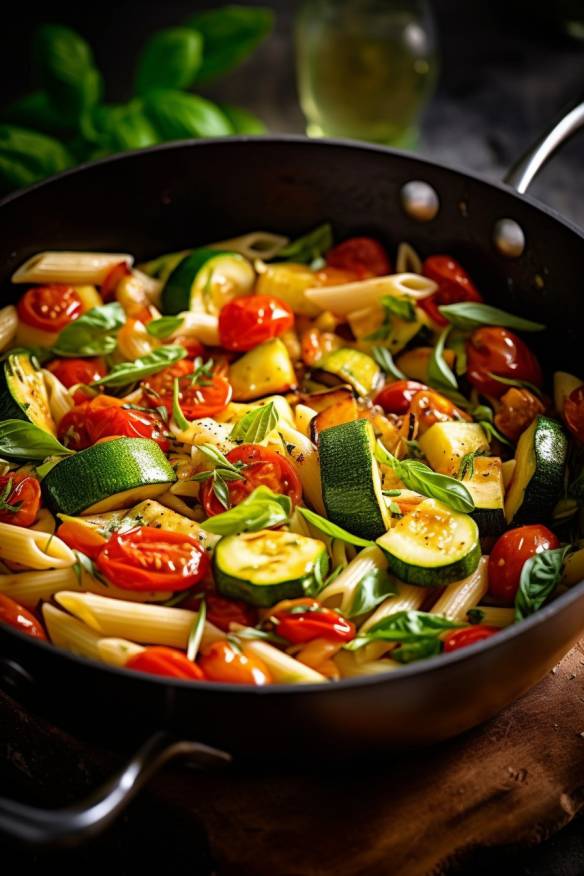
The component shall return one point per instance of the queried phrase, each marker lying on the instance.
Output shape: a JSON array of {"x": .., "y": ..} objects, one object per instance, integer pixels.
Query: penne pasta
[
  {"x": 351, "y": 667},
  {"x": 8, "y": 325},
  {"x": 60, "y": 401},
  {"x": 342, "y": 590},
  {"x": 408, "y": 598},
  {"x": 30, "y": 588},
  {"x": 496, "y": 616},
  {"x": 304, "y": 457},
  {"x": 349, "y": 297},
  {"x": 69, "y": 267},
  {"x": 70, "y": 633},
  {"x": 204, "y": 327},
  {"x": 461, "y": 596},
  {"x": 117, "y": 652},
  {"x": 283, "y": 668},
  {"x": 32, "y": 549},
  {"x": 407, "y": 260},
  {"x": 134, "y": 341},
  {"x": 256, "y": 245}
]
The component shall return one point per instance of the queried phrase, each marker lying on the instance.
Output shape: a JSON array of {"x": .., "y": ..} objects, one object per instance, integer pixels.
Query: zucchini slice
[
  {"x": 486, "y": 488},
  {"x": 538, "y": 476},
  {"x": 205, "y": 280},
  {"x": 445, "y": 444},
  {"x": 108, "y": 476},
  {"x": 351, "y": 482},
  {"x": 432, "y": 545},
  {"x": 353, "y": 367},
  {"x": 23, "y": 394},
  {"x": 265, "y": 370},
  {"x": 266, "y": 566}
]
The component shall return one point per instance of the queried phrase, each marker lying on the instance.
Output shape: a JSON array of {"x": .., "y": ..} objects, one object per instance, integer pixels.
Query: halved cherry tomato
[
  {"x": 246, "y": 322},
  {"x": 20, "y": 499},
  {"x": 468, "y": 636},
  {"x": 81, "y": 537},
  {"x": 301, "y": 620},
  {"x": 395, "y": 398},
  {"x": 225, "y": 662},
  {"x": 73, "y": 371},
  {"x": 364, "y": 256},
  {"x": 50, "y": 307},
  {"x": 454, "y": 285},
  {"x": 499, "y": 351},
  {"x": 193, "y": 347},
  {"x": 430, "y": 407},
  {"x": 574, "y": 412},
  {"x": 90, "y": 422},
  {"x": 107, "y": 290},
  {"x": 223, "y": 612},
  {"x": 204, "y": 397},
  {"x": 262, "y": 467},
  {"x": 153, "y": 559},
  {"x": 72, "y": 430},
  {"x": 15, "y": 615},
  {"x": 170, "y": 662},
  {"x": 509, "y": 554}
]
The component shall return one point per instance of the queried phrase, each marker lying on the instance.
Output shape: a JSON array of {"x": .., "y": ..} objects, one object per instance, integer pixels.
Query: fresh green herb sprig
[
  {"x": 127, "y": 373},
  {"x": 402, "y": 308},
  {"x": 468, "y": 315},
  {"x": 5, "y": 505},
  {"x": 223, "y": 470},
  {"x": 262, "y": 509},
  {"x": 385, "y": 361},
  {"x": 540, "y": 576},
  {"x": 22, "y": 440},
  {"x": 93, "y": 334},
  {"x": 417, "y": 633},
  {"x": 256, "y": 425}
]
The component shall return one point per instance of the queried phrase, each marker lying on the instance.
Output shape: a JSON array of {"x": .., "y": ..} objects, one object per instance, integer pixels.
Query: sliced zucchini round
[
  {"x": 266, "y": 566},
  {"x": 108, "y": 476},
  {"x": 432, "y": 545},
  {"x": 351, "y": 483},
  {"x": 538, "y": 476},
  {"x": 23, "y": 394},
  {"x": 353, "y": 367},
  {"x": 205, "y": 280}
]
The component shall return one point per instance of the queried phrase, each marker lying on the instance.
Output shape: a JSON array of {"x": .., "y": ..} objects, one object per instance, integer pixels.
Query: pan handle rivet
[
  {"x": 419, "y": 200},
  {"x": 509, "y": 238}
]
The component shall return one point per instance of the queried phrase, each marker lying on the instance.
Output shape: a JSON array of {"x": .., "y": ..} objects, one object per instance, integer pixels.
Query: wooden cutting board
[{"x": 515, "y": 780}]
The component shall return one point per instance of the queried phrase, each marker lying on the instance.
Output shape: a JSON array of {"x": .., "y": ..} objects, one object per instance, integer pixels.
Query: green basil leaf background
[
  {"x": 421, "y": 649},
  {"x": 170, "y": 59},
  {"x": 308, "y": 247},
  {"x": 372, "y": 589},
  {"x": 540, "y": 576},
  {"x": 26, "y": 157},
  {"x": 471, "y": 314},
  {"x": 124, "y": 126},
  {"x": 241, "y": 120},
  {"x": 230, "y": 34},
  {"x": 385, "y": 361},
  {"x": 67, "y": 71},
  {"x": 260, "y": 510},
  {"x": 440, "y": 375},
  {"x": 403, "y": 308},
  {"x": 164, "y": 326},
  {"x": 129, "y": 372},
  {"x": 405, "y": 627},
  {"x": 20, "y": 439},
  {"x": 178, "y": 116},
  {"x": 93, "y": 334},
  {"x": 34, "y": 111}
]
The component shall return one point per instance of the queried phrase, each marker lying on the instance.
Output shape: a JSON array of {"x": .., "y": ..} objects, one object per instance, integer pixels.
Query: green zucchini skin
[
  {"x": 20, "y": 375},
  {"x": 439, "y": 576},
  {"x": 544, "y": 489},
  {"x": 176, "y": 294},
  {"x": 490, "y": 521}
]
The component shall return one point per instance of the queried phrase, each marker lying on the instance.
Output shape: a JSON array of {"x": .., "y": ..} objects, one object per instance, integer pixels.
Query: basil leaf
[
  {"x": 218, "y": 458},
  {"x": 124, "y": 126},
  {"x": 329, "y": 528},
  {"x": 163, "y": 327},
  {"x": 421, "y": 649},
  {"x": 34, "y": 111},
  {"x": 470, "y": 314},
  {"x": 129, "y": 372},
  {"x": 93, "y": 334},
  {"x": 440, "y": 375},
  {"x": 402, "y": 308},
  {"x": 255, "y": 425},
  {"x": 229, "y": 35},
  {"x": 26, "y": 156},
  {"x": 511, "y": 381},
  {"x": 372, "y": 589},
  {"x": 467, "y": 464},
  {"x": 309, "y": 247},
  {"x": 540, "y": 576},
  {"x": 196, "y": 633},
  {"x": 177, "y": 412},
  {"x": 179, "y": 116},
  {"x": 20, "y": 439},
  {"x": 241, "y": 120},
  {"x": 405, "y": 627},
  {"x": 170, "y": 59},
  {"x": 260, "y": 510},
  {"x": 385, "y": 361}
]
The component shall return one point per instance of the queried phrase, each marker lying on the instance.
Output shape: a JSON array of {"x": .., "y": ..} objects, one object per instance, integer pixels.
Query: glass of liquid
[{"x": 366, "y": 68}]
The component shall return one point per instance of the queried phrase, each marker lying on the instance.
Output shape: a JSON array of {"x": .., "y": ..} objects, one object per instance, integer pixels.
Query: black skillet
[{"x": 522, "y": 255}]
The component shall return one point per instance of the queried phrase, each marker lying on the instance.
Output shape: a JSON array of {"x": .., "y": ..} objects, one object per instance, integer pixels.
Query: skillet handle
[
  {"x": 74, "y": 824},
  {"x": 524, "y": 171}
]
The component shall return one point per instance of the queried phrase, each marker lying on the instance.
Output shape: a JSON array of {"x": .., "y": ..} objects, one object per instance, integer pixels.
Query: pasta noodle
[
  {"x": 30, "y": 588},
  {"x": 303, "y": 416},
  {"x": 34, "y": 550},
  {"x": 407, "y": 598},
  {"x": 70, "y": 633},
  {"x": 304, "y": 456},
  {"x": 69, "y": 267},
  {"x": 461, "y": 596},
  {"x": 8, "y": 325},
  {"x": 283, "y": 668},
  {"x": 407, "y": 260},
  {"x": 134, "y": 341},
  {"x": 117, "y": 652},
  {"x": 348, "y": 297},
  {"x": 60, "y": 401},
  {"x": 204, "y": 327},
  {"x": 255, "y": 245},
  {"x": 344, "y": 586},
  {"x": 351, "y": 667},
  {"x": 496, "y": 616}
]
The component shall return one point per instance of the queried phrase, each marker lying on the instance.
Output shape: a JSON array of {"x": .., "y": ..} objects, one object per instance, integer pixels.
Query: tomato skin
[
  {"x": 107, "y": 290},
  {"x": 72, "y": 430},
  {"x": 430, "y": 407},
  {"x": 81, "y": 538},
  {"x": 316, "y": 622},
  {"x": 73, "y": 371},
  {"x": 193, "y": 347},
  {"x": 330, "y": 276},
  {"x": 509, "y": 554},
  {"x": 51, "y": 307},
  {"x": 574, "y": 412},
  {"x": 15, "y": 615},
  {"x": 223, "y": 612},
  {"x": 246, "y": 322},
  {"x": 196, "y": 400},
  {"x": 153, "y": 559},
  {"x": 364, "y": 256},
  {"x": 221, "y": 661},
  {"x": 396, "y": 397},
  {"x": 90, "y": 422},
  {"x": 169, "y": 662},
  {"x": 262, "y": 467},
  {"x": 454, "y": 285},
  {"x": 25, "y": 492},
  {"x": 467, "y": 636},
  {"x": 501, "y": 352}
]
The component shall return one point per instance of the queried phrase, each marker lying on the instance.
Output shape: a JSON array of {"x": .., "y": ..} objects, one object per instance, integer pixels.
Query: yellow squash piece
[{"x": 265, "y": 370}]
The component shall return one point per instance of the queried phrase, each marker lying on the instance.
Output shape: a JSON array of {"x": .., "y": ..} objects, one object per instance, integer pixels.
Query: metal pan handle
[
  {"x": 524, "y": 171},
  {"x": 73, "y": 825}
]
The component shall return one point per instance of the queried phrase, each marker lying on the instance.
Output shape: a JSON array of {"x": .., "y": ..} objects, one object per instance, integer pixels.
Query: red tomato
[
  {"x": 467, "y": 636},
  {"x": 395, "y": 398},
  {"x": 193, "y": 347},
  {"x": 112, "y": 279},
  {"x": 21, "y": 499},
  {"x": 90, "y": 422},
  {"x": 364, "y": 256},
  {"x": 159, "y": 660},
  {"x": 223, "y": 661},
  {"x": 73, "y": 371},
  {"x": 301, "y": 620},
  {"x": 223, "y": 612},
  {"x": 509, "y": 554},
  {"x": 430, "y": 407},
  {"x": 203, "y": 398},
  {"x": 50, "y": 307},
  {"x": 72, "y": 429},
  {"x": 246, "y": 322},
  {"x": 574, "y": 412},
  {"x": 334, "y": 277},
  {"x": 454, "y": 285},
  {"x": 81, "y": 538},
  {"x": 499, "y": 351},
  {"x": 153, "y": 559},
  {"x": 14, "y": 615},
  {"x": 262, "y": 467}
]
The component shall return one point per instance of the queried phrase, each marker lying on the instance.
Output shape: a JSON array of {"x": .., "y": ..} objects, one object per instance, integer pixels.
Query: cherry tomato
[
  {"x": 72, "y": 429},
  {"x": 153, "y": 559},
  {"x": 364, "y": 256},
  {"x": 301, "y": 620},
  {"x": 14, "y": 615},
  {"x": 246, "y": 322},
  {"x": 499, "y": 351},
  {"x": 574, "y": 412},
  {"x": 223, "y": 661},
  {"x": 20, "y": 499},
  {"x": 430, "y": 407},
  {"x": 112, "y": 279},
  {"x": 454, "y": 285},
  {"x": 509, "y": 554},
  {"x": 160, "y": 660},
  {"x": 81, "y": 537},
  {"x": 330, "y": 276},
  {"x": 262, "y": 467},
  {"x": 73, "y": 371},
  {"x": 205, "y": 397},
  {"x": 116, "y": 422},
  {"x": 50, "y": 307},
  {"x": 223, "y": 612},
  {"x": 193, "y": 347},
  {"x": 395, "y": 398},
  {"x": 467, "y": 636}
]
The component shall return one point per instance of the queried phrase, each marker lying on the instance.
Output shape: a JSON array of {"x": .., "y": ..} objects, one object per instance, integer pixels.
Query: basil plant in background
[{"x": 67, "y": 121}]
